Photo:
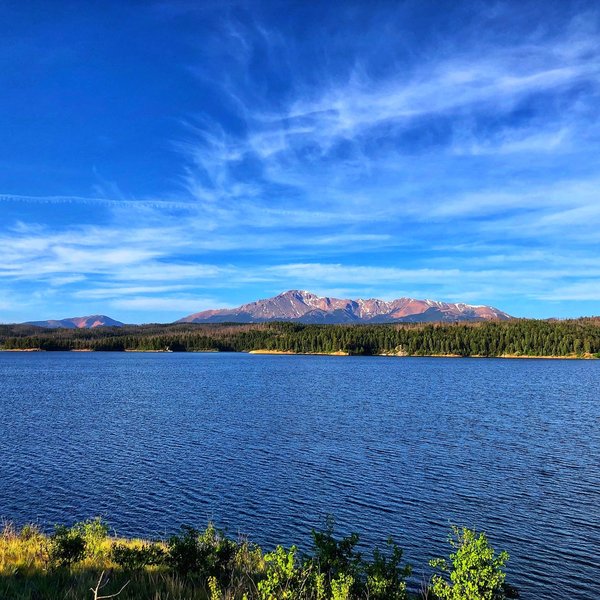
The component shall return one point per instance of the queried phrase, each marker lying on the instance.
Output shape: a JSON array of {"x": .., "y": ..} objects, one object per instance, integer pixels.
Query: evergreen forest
[{"x": 548, "y": 338}]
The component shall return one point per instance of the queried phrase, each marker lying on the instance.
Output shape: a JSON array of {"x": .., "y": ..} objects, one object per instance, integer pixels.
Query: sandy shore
[
  {"x": 21, "y": 350},
  {"x": 338, "y": 353}
]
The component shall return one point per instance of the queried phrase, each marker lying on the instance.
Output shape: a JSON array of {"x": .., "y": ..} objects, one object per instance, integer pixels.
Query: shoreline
[
  {"x": 292, "y": 353},
  {"x": 404, "y": 355},
  {"x": 336, "y": 353}
]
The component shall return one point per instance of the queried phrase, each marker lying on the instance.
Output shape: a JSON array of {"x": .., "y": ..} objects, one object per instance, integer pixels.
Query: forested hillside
[{"x": 580, "y": 337}]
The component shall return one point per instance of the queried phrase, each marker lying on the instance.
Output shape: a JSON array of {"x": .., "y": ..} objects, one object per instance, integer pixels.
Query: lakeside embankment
[
  {"x": 290, "y": 352},
  {"x": 83, "y": 561},
  {"x": 338, "y": 353},
  {"x": 404, "y": 355}
]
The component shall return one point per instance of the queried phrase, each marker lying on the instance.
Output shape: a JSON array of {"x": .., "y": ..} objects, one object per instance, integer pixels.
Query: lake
[{"x": 269, "y": 445}]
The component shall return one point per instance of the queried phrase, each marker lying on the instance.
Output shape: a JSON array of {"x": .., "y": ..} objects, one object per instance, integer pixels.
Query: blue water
[{"x": 269, "y": 445}]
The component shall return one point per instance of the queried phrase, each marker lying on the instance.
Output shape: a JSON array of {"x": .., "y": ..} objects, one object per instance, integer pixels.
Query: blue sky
[{"x": 160, "y": 158}]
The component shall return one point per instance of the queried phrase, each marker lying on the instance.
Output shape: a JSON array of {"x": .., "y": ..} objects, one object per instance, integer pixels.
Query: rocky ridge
[{"x": 306, "y": 307}]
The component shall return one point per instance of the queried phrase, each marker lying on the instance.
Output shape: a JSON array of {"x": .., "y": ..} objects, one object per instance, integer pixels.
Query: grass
[{"x": 28, "y": 573}]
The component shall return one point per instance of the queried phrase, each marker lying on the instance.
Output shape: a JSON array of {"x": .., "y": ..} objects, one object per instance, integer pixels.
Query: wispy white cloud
[
  {"x": 116, "y": 291},
  {"x": 535, "y": 139},
  {"x": 583, "y": 290},
  {"x": 467, "y": 170},
  {"x": 548, "y": 200},
  {"x": 323, "y": 148},
  {"x": 485, "y": 78},
  {"x": 172, "y": 304}
]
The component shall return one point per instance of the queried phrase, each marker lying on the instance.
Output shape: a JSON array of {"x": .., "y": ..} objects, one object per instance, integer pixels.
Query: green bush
[
  {"x": 94, "y": 533},
  {"x": 337, "y": 560},
  {"x": 341, "y": 587},
  {"x": 333, "y": 557},
  {"x": 283, "y": 577},
  {"x": 386, "y": 575},
  {"x": 184, "y": 554},
  {"x": 131, "y": 558},
  {"x": 474, "y": 571},
  {"x": 207, "y": 554},
  {"x": 219, "y": 552},
  {"x": 67, "y": 546}
]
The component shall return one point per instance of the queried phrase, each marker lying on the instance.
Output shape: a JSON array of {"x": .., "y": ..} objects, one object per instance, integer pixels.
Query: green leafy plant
[
  {"x": 386, "y": 575},
  {"x": 474, "y": 571},
  {"x": 284, "y": 578},
  {"x": 67, "y": 546},
  {"x": 219, "y": 552},
  {"x": 215, "y": 591},
  {"x": 341, "y": 586},
  {"x": 337, "y": 560},
  {"x": 185, "y": 554},
  {"x": 94, "y": 532},
  {"x": 132, "y": 558},
  {"x": 207, "y": 553},
  {"x": 333, "y": 557}
]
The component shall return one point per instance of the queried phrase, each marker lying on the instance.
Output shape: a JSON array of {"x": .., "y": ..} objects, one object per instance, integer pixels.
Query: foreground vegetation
[
  {"x": 82, "y": 561},
  {"x": 572, "y": 338}
]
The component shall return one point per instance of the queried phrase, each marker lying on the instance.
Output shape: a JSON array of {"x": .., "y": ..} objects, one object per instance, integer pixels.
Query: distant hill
[
  {"x": 305, "y": 307},
  {"x": 78, "y": 322}
]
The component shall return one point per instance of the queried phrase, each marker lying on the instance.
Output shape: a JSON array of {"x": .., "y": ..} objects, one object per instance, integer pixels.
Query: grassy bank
[{"x": 84, "y": 562}]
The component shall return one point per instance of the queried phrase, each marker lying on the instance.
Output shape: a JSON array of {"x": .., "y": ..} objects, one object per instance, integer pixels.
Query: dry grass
[{"x": 26, "y": 572}]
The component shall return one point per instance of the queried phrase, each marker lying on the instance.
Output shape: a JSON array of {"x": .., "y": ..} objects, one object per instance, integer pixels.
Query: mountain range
[
  {"x": 78, "y": 322},
  {"x": 304, "y": 307}
]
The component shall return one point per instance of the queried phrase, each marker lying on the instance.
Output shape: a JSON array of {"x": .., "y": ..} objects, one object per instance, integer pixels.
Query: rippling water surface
[{"x": 268, "y": 445}]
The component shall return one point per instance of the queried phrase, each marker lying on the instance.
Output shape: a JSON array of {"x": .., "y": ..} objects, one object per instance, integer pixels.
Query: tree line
[{"x": 575, "y": 337}]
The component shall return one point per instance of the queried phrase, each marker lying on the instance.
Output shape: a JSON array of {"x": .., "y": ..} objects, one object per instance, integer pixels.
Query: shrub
[
  {"x": 67, "y": 546},
  {"x": 284, "y": 578},
  {"x": 386, "y": 575},
  {"x": 195, "y": 553},
  {"x": 474, "y": 571},
  {"x": 219, "y": 552},
  {"x": 184, "y": 553},
  {"x": 135, "y": 558},
  {"x": 333, "y": 556},
  {"x": 94, "y": 532},
  {"x": 213, "y": 587},
  {"x": 341, "y": 586},
  {"x": 338, "y": 561}
]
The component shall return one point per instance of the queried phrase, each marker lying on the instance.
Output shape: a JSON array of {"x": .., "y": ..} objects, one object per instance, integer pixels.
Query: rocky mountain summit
[
  {"x": 78, "y": 322},
  {"x": 305, "y": 307}
]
